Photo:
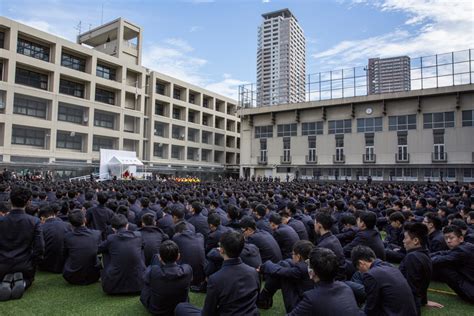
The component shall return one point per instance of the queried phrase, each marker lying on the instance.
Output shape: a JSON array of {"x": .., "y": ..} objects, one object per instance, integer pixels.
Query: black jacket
[
  {"x": 213, "y": 238},
  {"x": 98, "y": 218},
  {"x": 199, "y": 222},
  {"x": 436, "y": 241},
  {"x": 191, "y": 249},
  {"x": 370, "y": 238},
  {"x": 152, "y": 239},
  {"x": 266, "y": 244},
  {"x": 299, "y": 228},
  {"x": 286, "y": 237},
  {"x": 54, "y": 232}
]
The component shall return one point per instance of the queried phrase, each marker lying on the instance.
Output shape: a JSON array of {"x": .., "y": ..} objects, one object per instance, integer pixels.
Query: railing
[
  {"x": 285, "y": 159},
  {"x": 339, "y": 158},
  {"x": 439, "y": 157},
  {"x": 262, "y": 160},
  {"x": 312, "y": 159},
  {"x": 368, "y": 158},
  {"x": 402, "y": 158}
]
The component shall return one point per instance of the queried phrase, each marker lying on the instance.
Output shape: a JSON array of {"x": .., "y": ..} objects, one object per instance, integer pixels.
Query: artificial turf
[{"x": 51, "y": 295}]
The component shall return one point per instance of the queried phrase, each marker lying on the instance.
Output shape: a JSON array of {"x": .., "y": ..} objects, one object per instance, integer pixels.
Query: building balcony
[
  {"x": 285, "y": 159},
  {"x": 311, "y": 160},
  {"x": 262, "y": 160},
  {"x": 402, "y": 158},
  {"x": 439, "y": 157},
  {"x": 339, "y": 158},
  {"x": 368, "y": 158}
]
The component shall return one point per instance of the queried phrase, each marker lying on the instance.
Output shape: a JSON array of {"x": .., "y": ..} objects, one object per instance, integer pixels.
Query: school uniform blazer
[
  {"x": 266, "y": 244},
  {"x": 286, "y": 237},
  {"x": 152, "y": 239},
  {"x": 370, "y": 238},
  {"x": 54, "y": 232},
  {"x": 191, "y": 248}
]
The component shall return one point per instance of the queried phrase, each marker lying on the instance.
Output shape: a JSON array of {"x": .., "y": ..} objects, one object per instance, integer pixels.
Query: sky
[{"x": 213, "y": 43}]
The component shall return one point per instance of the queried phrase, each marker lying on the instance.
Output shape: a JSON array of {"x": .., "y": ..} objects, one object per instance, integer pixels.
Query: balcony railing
[
  {"x": 285, "y": 159},
  {"x": 262, "y": 160},
  {"x": 402, "y": 158},
  {"x": 312, "y": 159},
  {"x": 339, "y": 158},
  {"x": 368, "y": 158},
  {"x": 439, "y": 157}
]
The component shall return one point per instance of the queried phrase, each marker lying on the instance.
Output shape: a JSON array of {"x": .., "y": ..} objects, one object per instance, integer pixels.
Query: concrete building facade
[
  {"x": 281, "y": 59},
  {"x": 60, "y": 102},
  {"x": 385, "y": 75},
  {"x": 407, "y": 136}
]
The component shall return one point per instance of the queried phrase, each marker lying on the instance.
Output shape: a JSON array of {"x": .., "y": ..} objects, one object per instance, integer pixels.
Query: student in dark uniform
[
  {"x": 329, "y": 297},
  {"x": 99, "y": 217},
  {"x": 124, "y": 263},
  {"x": 152, "y": 237},
  {"x": 349, "y": 229},
  {"x": 290, "y": 275},
  {"x": 166, "y": 284},
  {"x": 232, "y": 290},
  {"x": 198, "y": 220},
  {"x": 266, "y": 244},
  {"x": 81, "y": 265},
  {"x": 416, "y": 266},
  {"x": 367, "y": 235},
  {"x": 54, "y": 232},
  {"x": 297, "y": 225},
  {"x": 262, "y": 222},
  {"x": 21, "y": 246},
  {"x": 436, "y": 240},
  {"x": 388, "y": 292},
  {"x": 215, "y": 231},
  {"x": 285, "y": 235},
  {"x": 456, "y": 265}
]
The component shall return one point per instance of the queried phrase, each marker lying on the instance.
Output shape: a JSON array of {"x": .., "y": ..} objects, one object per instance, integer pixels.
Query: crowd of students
[{"x": 241, "y": 241}]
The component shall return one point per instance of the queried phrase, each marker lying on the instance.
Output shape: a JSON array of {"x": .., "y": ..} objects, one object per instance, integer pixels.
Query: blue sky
[{"x": 212, "y": 43}]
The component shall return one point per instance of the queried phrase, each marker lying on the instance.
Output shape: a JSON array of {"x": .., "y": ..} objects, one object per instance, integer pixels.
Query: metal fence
[{"x": 441, "y": 70}]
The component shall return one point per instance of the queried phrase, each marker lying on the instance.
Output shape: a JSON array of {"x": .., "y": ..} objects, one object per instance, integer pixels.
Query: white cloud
[
  {"x": 194, "y": 28},
  {"x": 431, "y": 27},
  {"x": 228, "y": 86},
  {"x": 265, "y": 1},
  {"x": 47, "y": 27}
]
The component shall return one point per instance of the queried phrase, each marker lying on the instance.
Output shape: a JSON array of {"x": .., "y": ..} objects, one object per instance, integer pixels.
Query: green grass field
[{"x": 51, "y": 295}]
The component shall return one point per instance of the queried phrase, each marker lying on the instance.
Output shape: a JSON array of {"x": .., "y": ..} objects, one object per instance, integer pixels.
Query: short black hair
[
  {"x": 180, "y": 227},
  {"x": 325, "y": 219},
  {"x": 417, "y": 230},
  {"x": 348, "y": 219},
  {"x": 177, "y": 212},
  {"x": 248, "y": 222},
  {"x": 324, "y": 263},
  {"x": 232, "y": 242},
  {"x": 434, "y": 219},
  {"x": 275, "y": 219},
  {"x": 369, "y": 218},
  {"x": 169, "y": 251},
  {"x": 148, "y": 219},
  {"x": 76, "y": 217},
  {"x": 214, "y": 219},
  {"x": 46, "y": 211},
  {"x": 119, "y": 221},
  {"x": 453, "y": 229},
  {"x": 362, "y": 253},
  {"x": 233, "y": 212},
  {"x": 397, "y": 217},
  {"x": 102, "y": 198},
  {"x": 197, "y": 207},
  {"x": 19, "y": 196},
  {"x": 303, "y": 248},
  {"x": 261, "y": 210}
]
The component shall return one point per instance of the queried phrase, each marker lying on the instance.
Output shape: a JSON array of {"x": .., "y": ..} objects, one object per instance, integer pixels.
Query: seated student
[
  {"x": 5, "y": 208},
  {"x": 388, "y": 292},
  {"x": 468, "y": 236},
  {"x": 285, "y": 235},
  {"x": 215, "y": 231},
  {"x": 81, "y": 265},
  {"x": 394, "y": 241},
  {"x": 291, "y": 276},
  {"x": 178, "y": 213},
  {"x": 262, "y": 222},
  {"x": 233, "y": 215},
  {"x": 124, "y": 262},
  {"x": 54, "y": 232},
  {"x": 349, "y": 229},
  {"x": 215, "y": 208},
  {"x": 21, "y": 246},
  {"x": 125, "y": 211},
  {"x": 191, "y": 247},
  {"x": 328, "y": 297},
  {"x": 367, "y": 235},
  {"x": 456, "y": 265},
  {"x": 99, "y": 217},
  {"x": 152, "y": 237},
  {"x": 166, "y": 284},
  {"x": 232, "y": 290},
  {"x": 436, "y": 240},
  {"x": 297, "y": 225},
  {"x": 250, "y": 255},
  {"x": 266, "y": 244},
  {"x": 198, "y": 220},
  {"x": 416, "y": 266}
]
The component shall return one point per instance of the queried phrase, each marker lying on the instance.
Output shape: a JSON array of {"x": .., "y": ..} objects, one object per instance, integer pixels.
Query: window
[
  {"x": 159, "y": 129},
  {"x": 468, "y": 118},
  {"x": 206, "y": 137},
  {"x": 402, "y": 148},
  {"x": 31, "y": 49},
  {"x": 370, "y": 124},
  {"x": 105, "y": 120},
  {"x": 29, "y": 106},
  {"x": 160, "y": 88},
  {"x": 311, "y": 148},
  {"x": 191, "y": 116},
  {"x": 69, "y": 141},
  {"x": 105, "y": 72},
  {"x": 369, "y": 148},
  {"x": 31, "y": 78},
  {"x": 177, "y": 132},
  {"x": 176, "y": 113},
  {"x": 263, "y": 150},
  {"x": 340, "y": 127},
  {"x": 312, "y": 128},
  {"x": 192, "y": 98},
  {"x": 70, "y": 114},
  {"x": 71, "y": 88},
  {"x": 102, "y": 142},
  {"x": 339, "y": 148},
  {"x": 438, "y": 120},
  {"x": 287, "y": 149},
  {"x": 284, "y": 130},
  {"x": 160, "y": 108},
  {"x": 2, "y": 39},
  {"x": 29, "y": 137},
  {"x": 105, "y": 96},
  {"x": 438, "y": 146},
  {"x": 73, "y": 62},
  {"x": 158, "y": 150},
  {"x": 402, "y": 122},
  {"x": 264, "y": 131},
  {"x": 177, "y": 94},
  {"x": 175, "y": 152}
]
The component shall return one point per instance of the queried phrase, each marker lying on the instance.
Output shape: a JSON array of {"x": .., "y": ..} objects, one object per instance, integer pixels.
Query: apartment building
[
  {"x": 385, "y": 75},
  {"x": 281, "y": 59},
  {"x": 417, "y": 135},
  {"x": 61, "y": 102}
]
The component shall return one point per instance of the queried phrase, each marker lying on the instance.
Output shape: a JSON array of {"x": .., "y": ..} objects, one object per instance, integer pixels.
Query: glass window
[
  {"x": 158, "y": 150},
  {"x": 438, "y": 120},
  {"x": 468, "y": 118},
  {"x": 311, "y": 142},
  {"x": 73, "y": 62},
  {"x": 159, "y": 108},
  {"x": 340, "y": 126},
  {"x": 65, "y": 140},
  {"x": 2, "y": 39},
  {"x": 402, "y": 122},
  {"x": 70, "y": 114},
  {"x": 105, "y": 72},
  {"x": 29, "y": 106},
  {"x": 370, "y": 124},
  {"x": 105, "y": 96},
  {"x": 264, "y": 131},
  {"x": 31, "y": 49},
  {"x": 312, "y": 128},
  {"x": 105, "y": 120},
  {"x": 340, "y": 142},
  {"x": 175, "y": 152},
  {"x": 29, "y": 137},
  {"x": 102, "y": 142},
  {"x": 160, "y": 88},
  {"x": 176, "y": 113},
  {"x": 71, "y": 88},
  {"x": 286, "y": 130},
  {"x": 31, "y": 78},
  {"x": 159, "y": 129},
  {"x": 402, "y": 140}
]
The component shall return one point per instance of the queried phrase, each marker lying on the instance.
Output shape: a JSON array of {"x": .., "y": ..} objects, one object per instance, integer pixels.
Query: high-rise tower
[{"x": 281, "y": 62}]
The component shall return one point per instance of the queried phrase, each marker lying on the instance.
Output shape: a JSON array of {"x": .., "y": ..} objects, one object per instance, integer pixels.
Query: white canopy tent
[{"x": 116, "y": 162}]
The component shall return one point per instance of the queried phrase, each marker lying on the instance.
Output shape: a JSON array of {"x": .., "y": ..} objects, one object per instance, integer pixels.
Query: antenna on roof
[
  {"x": 102, "y": 15},
  {"x": 78, "y": 27}
]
